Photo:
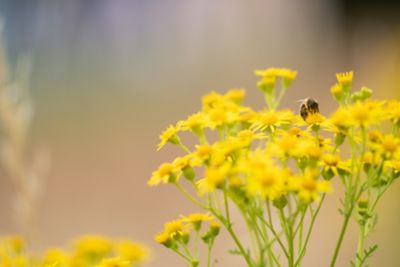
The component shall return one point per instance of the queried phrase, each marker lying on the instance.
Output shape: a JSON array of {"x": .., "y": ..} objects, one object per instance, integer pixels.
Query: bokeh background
[{"x": 109, "y": 76}]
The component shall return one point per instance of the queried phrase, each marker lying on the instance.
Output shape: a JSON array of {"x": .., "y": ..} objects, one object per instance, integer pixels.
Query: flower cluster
[
  {"x": 274, "y": 162},
  {"x": 87, "y": 251},
  {"x": 176, "y": 235}
]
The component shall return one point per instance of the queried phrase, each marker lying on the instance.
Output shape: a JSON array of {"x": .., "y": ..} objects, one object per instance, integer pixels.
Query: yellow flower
[
  {"x": 394, "y": 111},
  {"x": 390, "y": 144},
  {"x": 195, "y": 122},
  {"x": 270, "y": 72},
  {"x": 215, "y": 226},
  {"x": 287, "y": 145},
  {"x": 169, "y": 135},
  {"x": 315, "y": 119},
  {"x": 269, "y": 76},
  {"x": 19, "y": 261},
  {"x": 114, "y": 262},
  {"x": 164, "y": 174},
  {"x": 93, "y": 246},
  {"x": 332, "y": 165},
  {"x": 225, "y": 114},
  {"x": 184, "y": 162},
  {"x": 245, "y": 137},
  {"x": 340, "y": 119},
  {"x": 264, "y": 179},
  {"x": 360, "y": 113},
  {"x": 288, "y": 76},
  {"x": 14, "y": 244},
  {"x": 246, "y": 116},
  {"x": 309, "y": 187},
  {"x": 202, "y": 153},
  {"x": 267, "y": 84},
  {"x": 131, "y": 251},
  {"x": 211, "y": 100},
  {"x": 235, "y": 95},
  {"x": 365, "y": 113},
  {"x": 56, "y": 256},
  {"x": 394, "y": 164},
  {"x": 337, "y": 90},
  {"x": 345, "y": 78},
  {"x": 175, "y": 228},
  {"x": 308, "y": 148},
  {"x": 196, "y": 219},
  {"x": 269, "y": 184},
  {"x": 270, "y": 119},
  {"x": 214, "y": 177},
  {"x": 217, "y": 117},
  {"x": 163, "y": 238},
  {"x": 267, "y": 119},
  {"x": 375, "y": 136}
]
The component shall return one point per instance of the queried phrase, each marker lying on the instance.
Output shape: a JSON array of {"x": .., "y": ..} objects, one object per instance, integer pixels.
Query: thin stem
[
  {"x": 190, "y": 197},
  {"x": 185, "y": 148},
  {"x": 182, "y": 255},
  {"x": 209, "y": 251},
  {"x": 226, "y": 204},
  {"x": 216, "y": 201},
  {"x": 196, "y": 244},
  {"x": 289, "y": 238},
  {"x": 234, "y": 237},
  {"x": 187, "y": 251},
  {"x": 341, "y": 235},
  {"x": 239, "y": 245},
  {"x": 360, "y": 246},
  {"x": 265, "y": 235},
  {"x": 308, "y": 235},
  {"x": 271, "y": 227},
  {"x": 299, "y": 230}
]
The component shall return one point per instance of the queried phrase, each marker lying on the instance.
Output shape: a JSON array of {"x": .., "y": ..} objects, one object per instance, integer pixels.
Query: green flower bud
[
  {"x": 280, "y": 202},
  {"x": 189, "y": 173},
  {"x": 339, "y": 139}
]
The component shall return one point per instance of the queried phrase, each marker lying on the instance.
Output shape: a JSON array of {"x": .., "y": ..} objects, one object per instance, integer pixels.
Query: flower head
[
  {"x": 114, "y": 262},
  {"x": 169, "y": 135},
  {"x": 345, "y": 78},
  {"x": 164, "y": 174}
]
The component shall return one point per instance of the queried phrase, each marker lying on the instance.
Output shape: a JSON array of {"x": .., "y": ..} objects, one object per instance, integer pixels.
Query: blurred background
[{"x": 108, "y": 76}]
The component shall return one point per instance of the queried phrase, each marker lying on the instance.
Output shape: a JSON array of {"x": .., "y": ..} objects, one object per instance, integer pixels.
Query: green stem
[
  {"x": 239, "y": 245},
  {"x": 182, "y": 255},
  {"x": 216, "y": 201},
  {"x": 299, "y": 230},
  {"x": 341, "y": 235},
  {"x": 187, "y": 251},
  {"x": 308, "y": 235},
  {"x": 360, "y": 246},
  {"x": 209, "y": 250},
  {"x": 228, "y": 227},
  {"x": 289, "y": 237},
  {"x": 185, "y": 148},
  {"x": 226, "y": 204},
  {"x": 196, "y": 244},
  {"x": 271, "y": 227},
  {"x": 265, "y": 235},
  {"x": 190, "y": 197}
]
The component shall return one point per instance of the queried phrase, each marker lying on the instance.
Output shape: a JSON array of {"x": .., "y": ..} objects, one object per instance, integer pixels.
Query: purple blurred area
[{"x": 109, "y": 76}]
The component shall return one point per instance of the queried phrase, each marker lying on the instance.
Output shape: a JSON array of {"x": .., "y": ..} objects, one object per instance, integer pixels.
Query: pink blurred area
[{"x": 109, "y": 76}]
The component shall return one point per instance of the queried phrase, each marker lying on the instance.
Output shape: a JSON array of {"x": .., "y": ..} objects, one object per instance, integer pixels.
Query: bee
[{"x": 308, "y": 106}]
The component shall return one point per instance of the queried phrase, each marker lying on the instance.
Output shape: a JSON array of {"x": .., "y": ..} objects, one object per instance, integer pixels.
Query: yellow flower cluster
[
  {"x": 177, "y": 232},
  {"x": 255, "y": 158},
  {"x": 251, "y": 154},
  {"x": 87, "y": 251}
]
